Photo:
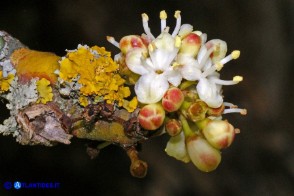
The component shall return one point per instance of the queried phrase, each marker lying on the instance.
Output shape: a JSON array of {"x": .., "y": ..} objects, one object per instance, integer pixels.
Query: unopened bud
[
  {"x": 202, "y": 154},
  {"x": 129, "y": 42},
  {"x": 172, "y": 99},
  {"x": 173, "y": 127},
  {"x": 191, "y": 44},
  {"x": 151, "y": 116},
  {"x": 219, "y": 133}
]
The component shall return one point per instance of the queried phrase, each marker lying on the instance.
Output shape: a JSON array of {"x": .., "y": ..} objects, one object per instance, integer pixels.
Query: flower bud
[
  {"x": 191, "y": 44},
  {"x": 176, "y": 148},
  {"x": 172, "y": 99},
  {"x": 202, "y": 154},
  {"x": 220, "y": 134},
  {"x": 197, "y": 111},
  {"x": 173, "y": 127},
  {"x": 151, "y": 116},
  {"x": 129, "y": 42}
]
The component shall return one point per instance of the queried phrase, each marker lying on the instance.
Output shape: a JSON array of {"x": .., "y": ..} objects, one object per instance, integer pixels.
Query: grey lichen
[
  {"x": 7, "y": 45},
  {"x": 21, "y": 95},
  {"x": 18, "y": 97}
]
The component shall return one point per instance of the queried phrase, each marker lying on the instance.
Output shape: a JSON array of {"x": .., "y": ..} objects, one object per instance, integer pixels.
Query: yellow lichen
[
  {"x": 45, "y": 91},
  {"x": 5, "y": 82},
  {"x": 131, "y": 105},
  {"x": 96, "y": 72},
  {"x": 83, "y": 101}
]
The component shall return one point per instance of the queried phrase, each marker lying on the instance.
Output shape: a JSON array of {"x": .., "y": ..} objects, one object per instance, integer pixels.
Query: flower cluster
[
  {"x": 93, "y": 73},
  {"x": 179, "y": 86}
]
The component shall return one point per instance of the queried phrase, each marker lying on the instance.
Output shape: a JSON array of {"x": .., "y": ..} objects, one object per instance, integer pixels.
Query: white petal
[
  {"x": 151, "y": 87},
  {"x": 162, "y": 59},
  {"x": 174, "y": 77},
  {"x": 185, "y": 30},
  {"x": 209, "y": 93},
  {"x": 201, "y": 53},
  {"x": 190, "y": 67},
  {"x": 164, "y": 51},
  {"x": 134, "y": 61},
  {"x": 203, "y": 37},
  {"x": 220, "y": 51},
  {"x": 176, "y": 148},
  {"x": 191, "y": 73}
]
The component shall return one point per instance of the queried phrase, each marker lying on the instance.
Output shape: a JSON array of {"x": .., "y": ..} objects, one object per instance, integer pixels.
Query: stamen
[
  {"x": 145, "y": 19},
  {"x": 212, "y": 69},
  {"x": 234, "y": 55},
  {"x": 218, "y": 66},
  {"x": 178, "y": 41},
  {"x": 235, "y": 110},
  {"x": 178, "y": 24},
  {"x": 112, "y": 41},
  {"x": 163, "y": 17},
  {"x": 235, "y": 80},
  {"x": 238, "y": 79},
  {"x": 227, "y": 104},
  {"x": 237, "y": 131}
]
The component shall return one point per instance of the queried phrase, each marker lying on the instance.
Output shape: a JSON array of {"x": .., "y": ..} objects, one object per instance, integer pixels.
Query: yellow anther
[
  {"x": 218, "y": 66},
  {"x": 145, "y": 17},
  {"x": 243, "y": 112},
  {"x": 150, "y": 48},
  {"x": 178, "y": 41},
  {"x": 235, "y": 54},
  {"x": 163, "y": 15},
  {"x": 175, "y": 65},
  {"x": 237, "y": 78},
  {"x": 237, "y": 131},
  {"x": 177, "y": 14},
  {"x": 109, "y": 38}
]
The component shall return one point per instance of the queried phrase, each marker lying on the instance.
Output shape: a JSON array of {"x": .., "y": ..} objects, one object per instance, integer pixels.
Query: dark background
[{"x": 260, "y": 161}]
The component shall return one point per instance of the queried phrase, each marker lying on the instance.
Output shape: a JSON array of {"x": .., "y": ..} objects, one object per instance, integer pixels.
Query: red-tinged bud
[
  {"x": 197, "y": 111},
  {"x": 172, "y": 99},
  {"x": 191, "y": 44},
  {"x": 151, "y": 116},
  {"x": 202, "y": 154},
  {"x": 220, "y": 134},
  {"x": 129, "y": 42},
  {"x": 173, "y": 127}
]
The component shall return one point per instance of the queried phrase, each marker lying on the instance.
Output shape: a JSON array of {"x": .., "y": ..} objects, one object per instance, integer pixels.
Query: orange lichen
[{"x": 30, "y": 64}]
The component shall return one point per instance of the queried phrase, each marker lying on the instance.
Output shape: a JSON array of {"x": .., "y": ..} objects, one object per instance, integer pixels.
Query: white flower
[
  {"x": 183, "y": 54},
  {"x": 156, "y": 71}
]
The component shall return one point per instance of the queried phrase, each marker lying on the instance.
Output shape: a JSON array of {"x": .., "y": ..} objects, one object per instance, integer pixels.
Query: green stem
[
  {"x": 187, "y": 130},
  {"x": 103, "y": 145},
  {"x": 186, "y": 84}
]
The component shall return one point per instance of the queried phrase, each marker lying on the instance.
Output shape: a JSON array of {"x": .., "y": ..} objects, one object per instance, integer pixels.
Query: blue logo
[
  {"x": 17, "y": 185},
  {"x": 7, "y": 185}
]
